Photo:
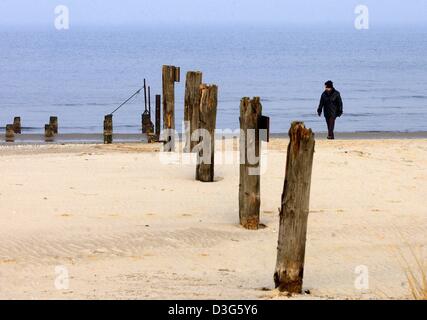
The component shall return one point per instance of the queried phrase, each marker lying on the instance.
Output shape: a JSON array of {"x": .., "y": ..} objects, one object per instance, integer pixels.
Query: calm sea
[{"x": 82, "y": 74}]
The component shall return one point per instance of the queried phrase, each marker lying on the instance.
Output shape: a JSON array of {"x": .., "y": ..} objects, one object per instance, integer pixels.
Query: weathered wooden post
[
  {"x": 249, "y": 187},
  {"x": 10, "y": 133},
  {"x": 150, "y": 125},
  {"x": 191, "y": 107},
  {"x": 17, "y": 125},
  {"x": 53, "y": 121},
  {"x": 207, "y": 124},
  {"x": 158, "y": 103},
  {"x": 294, "y": 211},
  {"x": 147, "y": 125},
  {"x": 170, "y": 75},
  {"x": 108, "y": 129},
  {"x": 151, "y": 135},
  {"x": 49, "y": 133}
]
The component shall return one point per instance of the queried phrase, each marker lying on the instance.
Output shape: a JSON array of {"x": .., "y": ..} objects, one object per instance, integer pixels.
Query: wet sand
[{"x": 96, "y": 138}]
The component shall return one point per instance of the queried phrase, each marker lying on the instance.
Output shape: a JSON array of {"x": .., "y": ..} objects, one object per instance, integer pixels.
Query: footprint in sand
[
  {"x": 359, "y": 153},
  {"x": 7, "y": 261},
  {"x": 66, "y": 215},
  {"x": 317, "y": 211}
]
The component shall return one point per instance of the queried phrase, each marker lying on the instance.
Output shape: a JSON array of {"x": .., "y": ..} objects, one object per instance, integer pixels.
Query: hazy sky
[{"x": 132, "y": 12}]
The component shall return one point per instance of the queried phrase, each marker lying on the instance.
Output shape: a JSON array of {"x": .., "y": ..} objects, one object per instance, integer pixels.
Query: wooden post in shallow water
[
  {"x": 49, "y": 133},
  {"x": 17, "y": 125},
  {"x": 10, "y": 134},
  {"x": 53, "y": 121},
  {"x": 147, "y": 125},
  {"x": 191, "y": 107},
  {"x": 249, "y": 186},
  {"x": 294, "y": 211},
  {"x": 108, "y": 129},
  {"x": 170, "y": 75},
  {"x": 207, "y": 123}
]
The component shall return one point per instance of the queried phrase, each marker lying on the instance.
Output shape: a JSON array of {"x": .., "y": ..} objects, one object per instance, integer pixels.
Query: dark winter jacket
[{"x": 331, "y": 104}]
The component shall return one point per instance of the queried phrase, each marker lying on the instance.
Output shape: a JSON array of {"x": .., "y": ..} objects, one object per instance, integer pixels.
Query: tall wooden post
[
  {"x": 10, "y": 134},
  {"x": 158, "y": 102},
  {"x": 149, "y": 102},
  {"x": 147, "y": 125},
  {"x": 108, "y": 129},
  {"x": 207, "y": 122},
  {"x": 53, "y": 121},
  {"x": 294, "y": 212},
  {"x": 191, "y": 107},
  {"x": 49, "y": 133},
  {"x": 17, "y": 125},
  {"x": 170, "y": 75},
  {"x": 249, "y": 187}
]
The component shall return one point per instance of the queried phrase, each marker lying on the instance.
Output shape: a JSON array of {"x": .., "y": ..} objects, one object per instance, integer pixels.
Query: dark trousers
[{"x": 331, "y": 126}]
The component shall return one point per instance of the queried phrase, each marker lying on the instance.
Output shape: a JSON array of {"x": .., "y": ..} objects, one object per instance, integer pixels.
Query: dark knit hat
[{"x": 329, "y": 84}]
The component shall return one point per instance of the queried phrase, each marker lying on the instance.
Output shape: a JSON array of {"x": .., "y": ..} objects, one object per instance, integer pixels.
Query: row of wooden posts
[
  {"x": 151, "y": 130},
  {"x": 50, "y": 129},
  {"x": 200, "y": 110}
]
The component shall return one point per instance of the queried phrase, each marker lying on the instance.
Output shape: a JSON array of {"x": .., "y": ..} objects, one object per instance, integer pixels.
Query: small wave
[
  {"x": 419, "y": 97},
  {"x": 81, "y": 104},
  {"x": 127, "y": 126},
  {"x": 32, "y": 128},
  {"x": 66, "y": 105},
  {"x": 281, "y": 99},
  {"x": 80, "y": 127},
  {"x": 357, "y": 115},
  {"x": 297, "y": 99}
]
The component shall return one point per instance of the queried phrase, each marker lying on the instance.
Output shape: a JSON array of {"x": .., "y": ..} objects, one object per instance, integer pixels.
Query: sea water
[{"x": 81, "y": 74}]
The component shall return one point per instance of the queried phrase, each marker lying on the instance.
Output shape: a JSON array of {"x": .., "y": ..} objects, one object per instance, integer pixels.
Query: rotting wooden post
[
  {"x": 191, "y": 107},
  {"x": 17, "y": 125},
  {"x": 53, "y": 121},
  {"x": 170, "y": 75},
  {"x": 151, "y": 125},
  {"x": 108, "y": 129},
  {"x": 49, "y": 133},
  {"x": 206, "y": 153},
  {"x": 10, "y": 134},
  {"x": 249, "y": 186},
  {"x": 147, "y": 125},
  {"x": 151, "y": 135},
  {"x": 294, "y": 211},
  {"x": 158, "y": 103}
]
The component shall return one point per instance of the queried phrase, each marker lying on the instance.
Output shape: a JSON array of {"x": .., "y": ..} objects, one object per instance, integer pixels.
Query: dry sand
[{"x": 125, "y": 225}]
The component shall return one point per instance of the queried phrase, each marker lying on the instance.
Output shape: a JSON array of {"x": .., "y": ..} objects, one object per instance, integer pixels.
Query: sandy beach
[{"x": 124, "y": 223}]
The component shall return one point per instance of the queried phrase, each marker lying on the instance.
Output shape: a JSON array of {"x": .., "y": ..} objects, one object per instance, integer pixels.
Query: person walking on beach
[{"x": 332, "y": 107}]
